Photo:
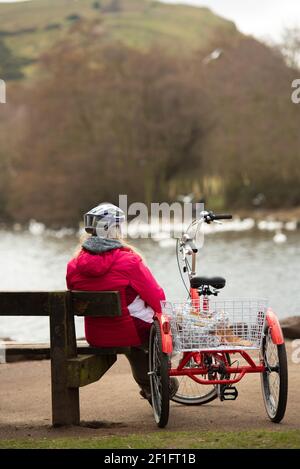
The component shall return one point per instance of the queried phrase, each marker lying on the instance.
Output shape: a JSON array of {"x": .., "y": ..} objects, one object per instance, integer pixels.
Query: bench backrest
[{"x": 78, "y": 303}]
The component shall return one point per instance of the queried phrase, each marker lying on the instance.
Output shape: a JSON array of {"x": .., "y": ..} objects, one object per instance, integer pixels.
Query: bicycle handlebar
[
  {"x": 207, "y": 217},
  {"x": 223, "y": 217},
  {"x": 210, "y": 216},
  {"x": 186, "y": 240}
]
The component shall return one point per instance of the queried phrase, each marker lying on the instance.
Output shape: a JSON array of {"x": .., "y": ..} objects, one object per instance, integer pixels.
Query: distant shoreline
[{"x": 283, "y": 214}]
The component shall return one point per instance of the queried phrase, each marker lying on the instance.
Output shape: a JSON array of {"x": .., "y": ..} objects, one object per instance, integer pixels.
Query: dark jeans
[{"x": 138, "y": 358}]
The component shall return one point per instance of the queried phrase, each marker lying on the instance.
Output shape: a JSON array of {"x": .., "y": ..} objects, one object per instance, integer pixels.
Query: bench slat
[
  {"x": 25, "y": 303},
  {"x": 83, "y": 303},
  {"x": 16, "y": 352},
  {"x": 86, "y": 369},
  {"x": 97, "y": 304}
]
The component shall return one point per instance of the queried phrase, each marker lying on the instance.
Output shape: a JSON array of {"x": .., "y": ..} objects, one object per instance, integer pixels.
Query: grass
[
  {"x": 140, "y": 24},
  {"x": 257, "y": 439}
]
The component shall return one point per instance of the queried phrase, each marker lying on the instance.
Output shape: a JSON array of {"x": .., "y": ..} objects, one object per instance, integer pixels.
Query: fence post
[{"x": 65, "y": 400}]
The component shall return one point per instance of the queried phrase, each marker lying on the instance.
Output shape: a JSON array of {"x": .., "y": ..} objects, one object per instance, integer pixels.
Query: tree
[
  {"x": 290, "y": 46},
  {"x": 106, "y": 119},
  {"x": 255, "y": 144},
  {"x": 113, "y": 7},
  {"x": 97, "y": 5},
  {"x": 73, "y": 17},
  {"x": 120, "y": 121},
  {"x": 10, "y": 66}
]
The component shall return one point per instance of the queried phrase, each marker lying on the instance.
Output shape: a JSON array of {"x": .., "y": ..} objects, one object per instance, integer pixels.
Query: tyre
[
  {"x": 275, "y": 379},
  {"x": 192, "y": 393},
  {"x": 159, "y": 377}
]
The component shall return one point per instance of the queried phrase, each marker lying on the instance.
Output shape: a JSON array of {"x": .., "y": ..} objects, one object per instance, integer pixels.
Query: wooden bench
[{"x": 70, "y": 370}]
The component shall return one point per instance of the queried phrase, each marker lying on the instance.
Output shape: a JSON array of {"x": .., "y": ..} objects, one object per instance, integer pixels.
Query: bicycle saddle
[{"x": 215, "y": 282}]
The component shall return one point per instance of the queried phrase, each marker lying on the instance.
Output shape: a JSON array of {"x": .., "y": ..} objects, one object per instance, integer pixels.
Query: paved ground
[{"x": 114, "y": 402}]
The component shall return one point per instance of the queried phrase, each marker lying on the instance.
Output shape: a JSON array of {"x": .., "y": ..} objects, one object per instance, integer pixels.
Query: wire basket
[{"x": 216, "y": 324}]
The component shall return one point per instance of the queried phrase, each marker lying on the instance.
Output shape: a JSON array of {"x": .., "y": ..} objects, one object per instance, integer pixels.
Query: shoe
[
  {"x": 146, "y": 395},
  {"x": 173, "y": 388}
]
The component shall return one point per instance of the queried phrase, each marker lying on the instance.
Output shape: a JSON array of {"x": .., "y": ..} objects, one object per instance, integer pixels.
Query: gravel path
[{"x": 114, "y": 403}]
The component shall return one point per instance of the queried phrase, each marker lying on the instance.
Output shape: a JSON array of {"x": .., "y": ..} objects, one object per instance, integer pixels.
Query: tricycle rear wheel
[{"x": 275, "y": 379}]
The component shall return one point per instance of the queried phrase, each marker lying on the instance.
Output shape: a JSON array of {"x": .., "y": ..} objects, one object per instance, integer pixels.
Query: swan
[{"x": 279, "y": 237}]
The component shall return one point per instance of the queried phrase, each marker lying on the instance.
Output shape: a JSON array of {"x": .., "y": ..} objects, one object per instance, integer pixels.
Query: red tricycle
[{"x": 209, "y": 344}]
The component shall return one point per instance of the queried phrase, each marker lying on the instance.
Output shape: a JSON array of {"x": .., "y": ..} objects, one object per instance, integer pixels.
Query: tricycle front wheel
[
  {"x": 159, "y": 376},
  {"x": 274, "y": 379}
]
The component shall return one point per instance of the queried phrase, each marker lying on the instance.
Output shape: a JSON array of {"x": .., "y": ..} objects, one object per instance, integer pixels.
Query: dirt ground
[{"x": 114, "y": 403}]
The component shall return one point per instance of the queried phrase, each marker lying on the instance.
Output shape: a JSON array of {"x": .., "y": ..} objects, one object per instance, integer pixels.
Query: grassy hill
[{"x": 30, "y": 28}]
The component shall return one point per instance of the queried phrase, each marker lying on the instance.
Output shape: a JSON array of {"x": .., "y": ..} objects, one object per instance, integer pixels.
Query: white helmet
[{"x": 104, "y": 220}]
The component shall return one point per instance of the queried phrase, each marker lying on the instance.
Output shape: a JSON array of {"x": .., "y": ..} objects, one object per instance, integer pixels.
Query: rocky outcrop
[{"x": 291, "y": 327}]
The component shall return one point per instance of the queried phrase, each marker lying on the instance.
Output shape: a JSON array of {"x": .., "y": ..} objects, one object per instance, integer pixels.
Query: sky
[{"x": 264, "y": 19}]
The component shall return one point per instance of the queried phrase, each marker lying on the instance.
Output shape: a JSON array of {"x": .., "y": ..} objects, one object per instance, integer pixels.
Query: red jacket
[{"x": 119, "y": 270}]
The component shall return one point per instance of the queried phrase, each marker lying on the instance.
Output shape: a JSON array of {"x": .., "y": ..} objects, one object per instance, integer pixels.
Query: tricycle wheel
[
  {"x": 192, "y": 393},
  {"x": 275, "y": 379},
  {"x": 159, "y": 376}
]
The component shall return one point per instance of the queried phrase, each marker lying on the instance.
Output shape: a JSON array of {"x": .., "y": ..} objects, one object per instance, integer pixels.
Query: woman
[{"x": 105, "y": 262}]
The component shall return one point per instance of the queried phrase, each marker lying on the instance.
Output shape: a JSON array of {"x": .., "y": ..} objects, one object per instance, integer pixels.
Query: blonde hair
[{"x": 84, "y": 236}]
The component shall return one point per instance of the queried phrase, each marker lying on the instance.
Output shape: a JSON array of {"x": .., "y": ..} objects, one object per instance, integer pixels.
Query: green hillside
[{"x": 30, "y": 28}]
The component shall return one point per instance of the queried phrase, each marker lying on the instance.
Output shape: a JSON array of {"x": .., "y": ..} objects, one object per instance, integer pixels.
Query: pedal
[{"x": 228, "y": 393}]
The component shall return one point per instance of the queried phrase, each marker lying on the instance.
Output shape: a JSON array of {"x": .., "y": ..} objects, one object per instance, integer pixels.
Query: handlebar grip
[{"x": 223, "y": 217}]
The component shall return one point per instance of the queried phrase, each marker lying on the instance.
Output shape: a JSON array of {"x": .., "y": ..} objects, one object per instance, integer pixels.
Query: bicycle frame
[{"x": 220, "y": 357}]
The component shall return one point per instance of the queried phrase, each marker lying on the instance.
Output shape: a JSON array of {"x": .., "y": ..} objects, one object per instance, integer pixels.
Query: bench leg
[{"x": 65, "y": 400}]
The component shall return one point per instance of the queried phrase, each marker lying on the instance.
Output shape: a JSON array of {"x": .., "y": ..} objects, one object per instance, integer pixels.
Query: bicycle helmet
[{"x": 103, "y": 220}]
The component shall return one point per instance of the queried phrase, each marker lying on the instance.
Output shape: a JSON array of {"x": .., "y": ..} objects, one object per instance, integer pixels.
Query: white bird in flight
[{"x": 214, "y": 55}]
